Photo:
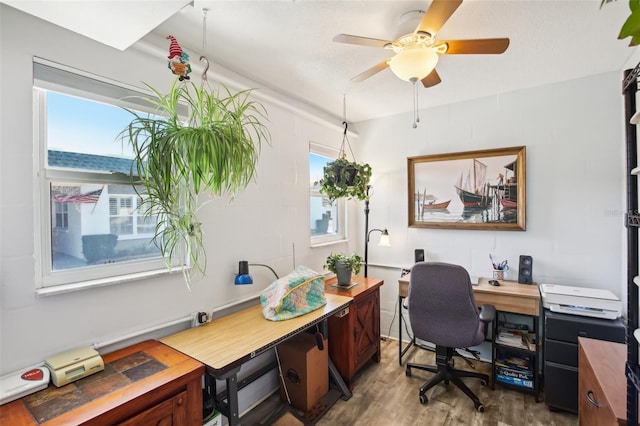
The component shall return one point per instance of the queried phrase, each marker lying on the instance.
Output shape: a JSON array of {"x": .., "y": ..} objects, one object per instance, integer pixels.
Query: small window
[{"x": 327, "y": 220}]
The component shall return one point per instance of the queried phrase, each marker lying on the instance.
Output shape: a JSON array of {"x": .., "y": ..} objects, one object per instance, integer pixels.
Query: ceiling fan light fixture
[{"x": 414, "y": 63}]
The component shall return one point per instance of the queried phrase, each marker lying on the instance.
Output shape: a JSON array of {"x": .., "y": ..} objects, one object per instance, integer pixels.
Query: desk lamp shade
[
  {"x": 243, "y": 276},
  {"x": 385, "y": 241}
]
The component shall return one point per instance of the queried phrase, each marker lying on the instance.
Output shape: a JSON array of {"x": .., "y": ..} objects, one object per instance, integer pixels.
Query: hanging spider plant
[{"x": 214, "y": 149}]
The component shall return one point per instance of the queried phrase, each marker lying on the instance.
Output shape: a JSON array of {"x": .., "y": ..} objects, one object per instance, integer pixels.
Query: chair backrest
[{"x": 442, "y": 308}]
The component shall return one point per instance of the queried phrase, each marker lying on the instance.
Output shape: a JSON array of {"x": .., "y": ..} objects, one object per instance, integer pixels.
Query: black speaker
[
  {"x": 419, "y": 255},
  {"x": 525, "y": 270}
]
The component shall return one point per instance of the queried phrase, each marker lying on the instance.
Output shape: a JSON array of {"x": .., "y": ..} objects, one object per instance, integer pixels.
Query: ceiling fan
[{"x": 417, "y": 53}]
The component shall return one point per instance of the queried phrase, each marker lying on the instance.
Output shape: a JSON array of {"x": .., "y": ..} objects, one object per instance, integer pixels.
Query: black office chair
[{"x": 442, "y": 310}]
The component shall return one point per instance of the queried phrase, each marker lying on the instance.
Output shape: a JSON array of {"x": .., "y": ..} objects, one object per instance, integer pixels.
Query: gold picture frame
[{"x": 483, "y": 190}]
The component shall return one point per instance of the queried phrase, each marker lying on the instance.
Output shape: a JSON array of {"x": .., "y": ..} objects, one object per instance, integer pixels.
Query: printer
[{"x": 588, "y": 302}]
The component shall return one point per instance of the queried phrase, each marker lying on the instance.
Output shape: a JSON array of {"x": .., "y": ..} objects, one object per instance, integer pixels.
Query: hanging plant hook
[
  {"x": 345, "y": 138},
  {"x": 206, "y": 67},
  {"x": 204, "y": 44}
]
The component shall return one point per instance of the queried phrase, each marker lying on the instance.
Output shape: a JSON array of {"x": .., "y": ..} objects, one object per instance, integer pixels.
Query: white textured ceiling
[{"x": 287, "y": 46}]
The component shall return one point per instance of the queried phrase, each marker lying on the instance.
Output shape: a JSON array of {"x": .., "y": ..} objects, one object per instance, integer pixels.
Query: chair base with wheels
[{"x": 444, "y": 372}]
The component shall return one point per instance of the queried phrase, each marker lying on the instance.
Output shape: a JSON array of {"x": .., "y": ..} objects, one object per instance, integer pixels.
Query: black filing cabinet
[{"x": 561, "y": 332}]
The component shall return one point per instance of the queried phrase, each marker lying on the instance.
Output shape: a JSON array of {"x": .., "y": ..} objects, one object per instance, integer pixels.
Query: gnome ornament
[{"x": 178, "y": 60}]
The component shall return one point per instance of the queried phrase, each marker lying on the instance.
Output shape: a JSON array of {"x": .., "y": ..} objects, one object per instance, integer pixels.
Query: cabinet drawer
[
  {"x": 568, "y": 328},
  {"x": 561, "y": 386},
  {"x": 561, "y": 352}
]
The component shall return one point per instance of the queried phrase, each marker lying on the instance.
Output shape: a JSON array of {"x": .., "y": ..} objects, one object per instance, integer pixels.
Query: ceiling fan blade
[
  {"x": 479, "y": 46},
  {"x": 371, "y": 71},
  {"x": 431, "y": 80},
  {"x": 361, "y": 41},
  {"x": 438, "y": 13}
]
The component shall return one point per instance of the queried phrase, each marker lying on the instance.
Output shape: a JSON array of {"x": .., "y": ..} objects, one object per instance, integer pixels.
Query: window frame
[
  {"x": 48, "y": 280},
  {"x": 339, "y": 237}
]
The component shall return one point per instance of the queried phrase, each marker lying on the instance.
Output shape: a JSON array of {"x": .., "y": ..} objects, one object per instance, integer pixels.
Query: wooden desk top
[
  {"x": 134, "y": 378},
  {"x": 364, "y": 285},
  {"x": 510, "y": 296},
  {"x": 226, "y": 343}
]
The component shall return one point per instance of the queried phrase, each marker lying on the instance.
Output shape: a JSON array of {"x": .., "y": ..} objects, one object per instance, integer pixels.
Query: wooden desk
[
  {"x": 510, "y": 296},
  {"x": 224, "y": 344},
  {"x": 147, "y": 383}
]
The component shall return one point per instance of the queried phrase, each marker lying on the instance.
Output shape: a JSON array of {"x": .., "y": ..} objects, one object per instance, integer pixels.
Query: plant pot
[
  {"x": 343, "y": 273},
  {"x": 347, "y": 175}
]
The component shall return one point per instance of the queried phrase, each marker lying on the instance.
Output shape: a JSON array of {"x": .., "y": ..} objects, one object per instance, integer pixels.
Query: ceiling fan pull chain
[
  {"x": 204, "y": 44},
  {"x": 417, "y": 102},
  {"x": 416, "y": 118}
]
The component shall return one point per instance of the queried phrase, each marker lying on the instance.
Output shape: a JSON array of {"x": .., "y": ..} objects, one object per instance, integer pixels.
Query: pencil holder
[{"x": 498, "y": 274}]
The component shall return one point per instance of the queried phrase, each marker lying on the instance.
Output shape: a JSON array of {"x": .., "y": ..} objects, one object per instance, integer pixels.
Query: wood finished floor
[{"x": 384, "y": 395}]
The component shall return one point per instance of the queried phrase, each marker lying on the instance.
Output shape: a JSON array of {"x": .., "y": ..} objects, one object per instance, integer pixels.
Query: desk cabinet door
[
  {"x": 593, "y": 407},
  {"x": 170, "y": 412},
  {"x": 367, "y": 329}
]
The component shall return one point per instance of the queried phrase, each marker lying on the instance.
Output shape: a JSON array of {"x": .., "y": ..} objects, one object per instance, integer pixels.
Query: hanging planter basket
[{"x": 345, "y": 179}]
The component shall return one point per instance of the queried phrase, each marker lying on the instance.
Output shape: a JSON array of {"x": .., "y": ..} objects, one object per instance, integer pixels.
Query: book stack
[
  {"x": 516, "y": 339},
  {"x": 516, "y": 370}
]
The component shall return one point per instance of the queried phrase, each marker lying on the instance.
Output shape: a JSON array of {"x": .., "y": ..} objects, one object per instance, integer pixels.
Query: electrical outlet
[{"x": 202, "y": 318}]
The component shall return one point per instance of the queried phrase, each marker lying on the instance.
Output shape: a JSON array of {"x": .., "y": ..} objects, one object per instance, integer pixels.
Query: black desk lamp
[{"x": 243, "y": 277}]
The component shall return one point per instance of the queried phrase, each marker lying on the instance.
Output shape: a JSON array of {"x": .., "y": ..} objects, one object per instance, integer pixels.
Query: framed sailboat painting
[{"x": 469, "y": 190}]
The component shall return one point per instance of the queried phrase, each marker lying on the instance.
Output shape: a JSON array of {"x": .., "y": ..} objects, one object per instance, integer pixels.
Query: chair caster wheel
[
  {"x": 483, "y": 382},
  {"x": 407, "y": 372},
  {"x": 480, "y": 408},
  {"x": 423, "y": 399}
]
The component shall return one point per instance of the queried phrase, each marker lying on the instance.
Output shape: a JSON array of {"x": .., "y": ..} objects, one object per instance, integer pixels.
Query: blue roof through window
[{"x": 103, "y": 163}]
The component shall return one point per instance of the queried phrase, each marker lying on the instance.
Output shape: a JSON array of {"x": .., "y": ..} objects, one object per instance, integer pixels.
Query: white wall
[
  {"x": 261, "y": 226},
  {"x": 573, "y": 132}
]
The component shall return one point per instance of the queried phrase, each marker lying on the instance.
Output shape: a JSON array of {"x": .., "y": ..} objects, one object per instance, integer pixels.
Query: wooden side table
[
  {"x": 354, "y": 335},
  {"x": 601, "y": 383},
  {"x": 147, "y": 383}
]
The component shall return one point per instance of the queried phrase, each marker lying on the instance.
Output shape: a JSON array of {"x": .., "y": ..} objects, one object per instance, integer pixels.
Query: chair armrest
[{"x": 487, "y": 313}]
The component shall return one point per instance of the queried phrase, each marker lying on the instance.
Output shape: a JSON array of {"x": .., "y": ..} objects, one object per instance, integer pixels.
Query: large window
[
  {"x": 326, "y": 220},
  {"x": 93, "y": 223}
]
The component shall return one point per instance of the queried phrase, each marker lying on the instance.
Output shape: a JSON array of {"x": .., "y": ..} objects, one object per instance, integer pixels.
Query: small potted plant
[{"x": 343, "y": 266}]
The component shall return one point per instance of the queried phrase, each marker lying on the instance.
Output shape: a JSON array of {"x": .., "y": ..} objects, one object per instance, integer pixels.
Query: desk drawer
[
  {"x": 568, "y": 328},
  {"x": 561, "y": 386},
  {"x": 561, "y": 352},
  {"x": 509, "y": 303}
]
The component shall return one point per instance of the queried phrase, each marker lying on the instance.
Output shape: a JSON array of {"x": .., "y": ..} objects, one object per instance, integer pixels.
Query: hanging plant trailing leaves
[
  {"x": 214, "y": 149},
  {"x": 343, "y": 178}
]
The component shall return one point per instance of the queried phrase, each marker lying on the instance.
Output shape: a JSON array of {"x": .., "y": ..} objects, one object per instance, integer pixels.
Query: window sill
[
  {"x": 329, "y": 243},
  {"x": 102, "y": 282}
]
